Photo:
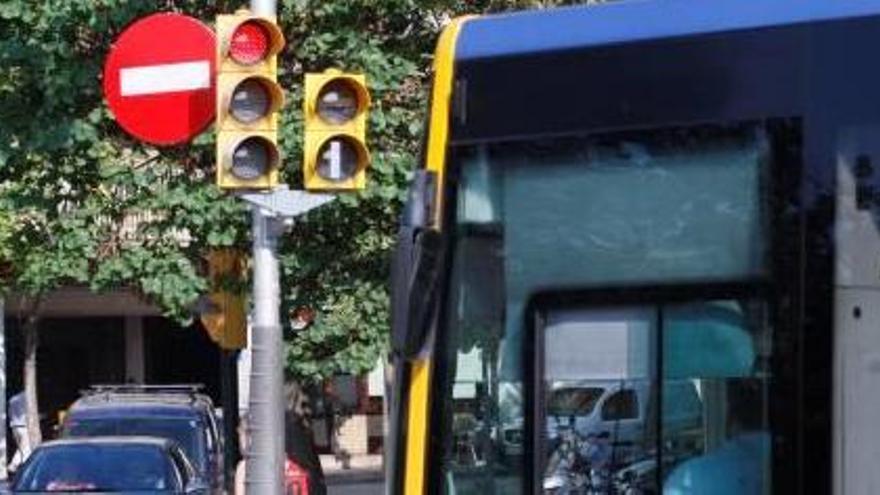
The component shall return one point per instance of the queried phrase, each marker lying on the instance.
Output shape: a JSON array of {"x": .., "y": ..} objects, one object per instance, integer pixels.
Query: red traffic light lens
[{"x": 249, "y": 44}]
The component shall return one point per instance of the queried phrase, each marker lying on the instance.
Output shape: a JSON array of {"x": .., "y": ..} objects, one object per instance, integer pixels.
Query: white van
[{"x": 618, "y": 409}]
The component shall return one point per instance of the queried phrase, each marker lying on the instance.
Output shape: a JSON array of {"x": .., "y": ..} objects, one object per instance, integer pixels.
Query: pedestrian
[
  {"x": 17, "y": 412},
  {"x": 297, "y": 478}
]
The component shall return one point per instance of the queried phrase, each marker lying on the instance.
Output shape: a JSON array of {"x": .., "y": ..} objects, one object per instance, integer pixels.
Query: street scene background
[{"x": 105, "y": 240}]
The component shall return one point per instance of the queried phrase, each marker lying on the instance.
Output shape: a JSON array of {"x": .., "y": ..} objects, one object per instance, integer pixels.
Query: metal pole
[
  {"x": 264, "y": 8},
  {"x": 229, "y": 398},
  {"x": 264, "y": 464}
]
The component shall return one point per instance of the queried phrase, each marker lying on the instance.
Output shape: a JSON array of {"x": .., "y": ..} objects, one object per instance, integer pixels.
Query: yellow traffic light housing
[
  {"x": 225, "y": 318},
  {"x": 248, "y": 101},
  {"x": 336, "y": 106}
]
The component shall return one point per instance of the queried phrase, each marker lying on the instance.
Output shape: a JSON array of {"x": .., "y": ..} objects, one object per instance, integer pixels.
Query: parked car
[
  {"x": 178, "y": 413},
  {"x": 619, "y": 409},
  {"x": 109, "y": 465}
]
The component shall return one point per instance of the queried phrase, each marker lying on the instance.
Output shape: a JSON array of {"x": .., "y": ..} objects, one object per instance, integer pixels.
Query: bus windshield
[{"x": 644, "y": 390}]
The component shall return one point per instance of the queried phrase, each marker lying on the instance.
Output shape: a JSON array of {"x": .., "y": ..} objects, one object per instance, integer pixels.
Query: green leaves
[
  {"x": 83, "y": 203},
  {"x": 164, "y": 275},
  {"x": 336, "y": 262}
]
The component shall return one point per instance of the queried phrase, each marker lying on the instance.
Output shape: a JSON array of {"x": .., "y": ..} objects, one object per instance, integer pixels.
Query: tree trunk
[{"x": 31, "y": 341}]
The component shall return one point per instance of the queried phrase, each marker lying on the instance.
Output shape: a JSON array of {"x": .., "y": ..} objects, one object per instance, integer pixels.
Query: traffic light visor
[{"x": 340, "y": 100}]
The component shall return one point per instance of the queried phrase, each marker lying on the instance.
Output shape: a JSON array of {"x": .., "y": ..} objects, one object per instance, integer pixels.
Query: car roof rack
[
  {"x": 191, "y": 392},
  {"x": 137, "y": 388}
]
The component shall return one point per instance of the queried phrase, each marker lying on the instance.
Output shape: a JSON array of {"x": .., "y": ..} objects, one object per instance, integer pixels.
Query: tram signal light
[
  {"x": 335, "y": 151},
  {"x": 248, "y": 101},
  {"x": 225, "y": 317}
]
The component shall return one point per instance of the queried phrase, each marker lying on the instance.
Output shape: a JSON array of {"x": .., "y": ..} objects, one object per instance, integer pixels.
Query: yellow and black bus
[{"x": 642, "y": 254}]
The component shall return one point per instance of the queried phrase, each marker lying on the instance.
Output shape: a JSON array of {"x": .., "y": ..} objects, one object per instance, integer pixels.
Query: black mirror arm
[{"x": 415, "y": 267}]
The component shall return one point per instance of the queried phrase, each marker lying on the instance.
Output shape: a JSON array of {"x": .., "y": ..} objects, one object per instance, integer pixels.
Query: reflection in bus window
[
  {"x": 734, "y": 438},
  {"x": 621, "y": 405},
  {"x": 573, "y": 401},
  {"x": 712, "y": 433}
]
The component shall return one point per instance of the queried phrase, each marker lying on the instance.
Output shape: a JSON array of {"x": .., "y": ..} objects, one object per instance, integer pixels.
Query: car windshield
[
  {"x": 184, "y": 431},
  {"x": 97, "y": 468},
  {"x": 573, "y": 401}
]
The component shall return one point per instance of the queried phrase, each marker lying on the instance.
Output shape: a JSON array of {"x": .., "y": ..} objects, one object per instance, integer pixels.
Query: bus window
[
  {"x": 644, "y": 387},
  {"x": 720, "y": 351},
  {"x": 624, "y": 404},
  {"x": 480, "y": 401},
  {"x": 710, "y": 381},
  {"x": 607, "y": 350}
]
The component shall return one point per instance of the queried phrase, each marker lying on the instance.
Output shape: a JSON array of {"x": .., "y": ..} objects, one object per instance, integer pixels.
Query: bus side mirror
[{"x": 416, "y": 267}]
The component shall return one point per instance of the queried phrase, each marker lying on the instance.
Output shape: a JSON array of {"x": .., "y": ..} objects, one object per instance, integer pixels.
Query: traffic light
[
  {"x": 225, "y": 317},
  {"x": 335, "y": 151},
  {"x": 248, "y": 101}
]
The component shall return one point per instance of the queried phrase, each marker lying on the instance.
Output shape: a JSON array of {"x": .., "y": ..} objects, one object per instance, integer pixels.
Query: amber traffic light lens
[
  {"x": 250, "y": 101},
  {"x": 337, "y": 102}
]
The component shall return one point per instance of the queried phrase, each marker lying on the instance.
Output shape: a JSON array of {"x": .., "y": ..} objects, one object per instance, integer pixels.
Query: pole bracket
[{"x": 282, "y": 202}]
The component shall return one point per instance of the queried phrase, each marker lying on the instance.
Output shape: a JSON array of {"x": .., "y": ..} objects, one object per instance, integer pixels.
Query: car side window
[{"x": 623, "y": 404}]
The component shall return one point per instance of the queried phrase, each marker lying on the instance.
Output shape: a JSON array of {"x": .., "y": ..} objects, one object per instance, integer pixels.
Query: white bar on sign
[{"x": 165, "y": 78}]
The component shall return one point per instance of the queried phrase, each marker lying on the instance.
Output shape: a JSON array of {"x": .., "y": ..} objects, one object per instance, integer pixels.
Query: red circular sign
[{"x": 159, "y": 78}]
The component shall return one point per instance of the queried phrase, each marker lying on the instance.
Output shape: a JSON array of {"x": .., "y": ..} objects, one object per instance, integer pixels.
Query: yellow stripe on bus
[
  {"x": 417, "y": 427},
  {"x": 438, "y": 137},
  {"x": 441, "y": 103}
]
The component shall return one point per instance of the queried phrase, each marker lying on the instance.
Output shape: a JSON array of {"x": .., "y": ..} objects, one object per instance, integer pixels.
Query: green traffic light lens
[
  {"x": 337, "y": 160},
  {"x": 251, "y": 159},
  {"x": 337, "y": 102},
  {"x": 250, "y": 101}
]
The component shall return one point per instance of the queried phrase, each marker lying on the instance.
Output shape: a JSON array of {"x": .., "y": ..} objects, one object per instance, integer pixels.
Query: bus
[{"x": 641, "y": 254}]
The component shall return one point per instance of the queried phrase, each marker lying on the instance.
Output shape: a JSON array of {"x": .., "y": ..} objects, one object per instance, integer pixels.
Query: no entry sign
[{"x": 159, "y": 78}]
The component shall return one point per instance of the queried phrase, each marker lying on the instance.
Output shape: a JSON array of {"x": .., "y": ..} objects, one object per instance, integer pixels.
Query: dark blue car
[
  {"x": 180, "y": 414},
  {"x": 125, "y": 465}
]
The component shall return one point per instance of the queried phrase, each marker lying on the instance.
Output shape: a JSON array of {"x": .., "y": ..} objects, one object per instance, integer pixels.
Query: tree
[
  {"x": 337, "y": 263},
  {"x": 82, "y": 203}
]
